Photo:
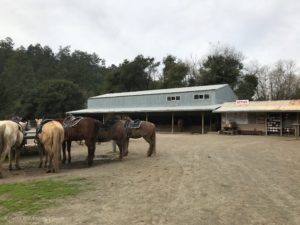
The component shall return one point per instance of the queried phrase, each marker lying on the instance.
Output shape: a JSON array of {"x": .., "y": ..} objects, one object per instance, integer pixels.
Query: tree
[
  {"x": 6, "y": 49},
  {"x": 283, "y": 80},
  {"x": 279, "y": 82},
  {"x": 174, "y": 73},
  {"x": 133, "y": 75},
  {"x": 223, "y": 65},
  {"x": 52, "y": 98},
  {"x": 247, "y": 87}
]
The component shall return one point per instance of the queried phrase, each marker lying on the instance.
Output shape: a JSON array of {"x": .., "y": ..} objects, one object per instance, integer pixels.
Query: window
[
  {"x": 206, "y": 96},
  {"x": 196, "y": 97},
  {"x": 173, "y": 98}
]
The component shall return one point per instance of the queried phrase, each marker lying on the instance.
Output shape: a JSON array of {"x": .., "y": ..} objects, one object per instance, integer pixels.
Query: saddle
[
  {"x": 71, "y": 121},
  {"x": 133, "y": 124}
]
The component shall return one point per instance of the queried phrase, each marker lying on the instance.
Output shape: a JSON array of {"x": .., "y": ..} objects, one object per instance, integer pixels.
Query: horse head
[{"x": 25, "y": 126}]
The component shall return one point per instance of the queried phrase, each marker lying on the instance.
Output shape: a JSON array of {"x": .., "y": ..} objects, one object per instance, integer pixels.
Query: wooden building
[{"x": 261, "y": 117}]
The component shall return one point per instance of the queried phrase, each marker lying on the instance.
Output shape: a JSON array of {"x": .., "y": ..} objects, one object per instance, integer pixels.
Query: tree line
[{"x": 35, "y": 81}]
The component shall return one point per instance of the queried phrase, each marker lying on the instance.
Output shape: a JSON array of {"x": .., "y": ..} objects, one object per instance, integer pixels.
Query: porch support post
[
  {"x": 297, "y": 126},
  {"x": 266, "y": 124},
  {"x": 280, "y": 124},
  {"x": 146, "y": 116},
  {"x": 172, "y": 123},
  {"x": 202, "y": 123}
]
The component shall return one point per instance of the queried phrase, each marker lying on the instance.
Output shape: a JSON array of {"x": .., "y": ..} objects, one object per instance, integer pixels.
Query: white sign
[{"x": 242, "y": 102}]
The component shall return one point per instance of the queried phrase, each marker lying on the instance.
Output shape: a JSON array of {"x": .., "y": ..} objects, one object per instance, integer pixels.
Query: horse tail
[
  {"x": 154, "y": 139},
  {"x": 58, "y": 138}
]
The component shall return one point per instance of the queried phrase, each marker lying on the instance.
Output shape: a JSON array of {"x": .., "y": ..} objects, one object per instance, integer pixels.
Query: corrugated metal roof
[
  {"x": 145, "y": 109},
  {"x": 163, "y": 91},
  {"x": 261, "y": 106}
]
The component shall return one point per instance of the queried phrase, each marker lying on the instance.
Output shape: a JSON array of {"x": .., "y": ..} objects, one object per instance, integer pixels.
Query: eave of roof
[
  {"x": 261, "y": 106},
  {"x": 162, "y": 91},
  {"x": 145, "y": 109}
]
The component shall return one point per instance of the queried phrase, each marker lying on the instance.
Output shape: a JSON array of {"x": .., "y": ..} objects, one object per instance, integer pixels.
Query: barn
[
  {"x": 172, "y": 110},
  {"x": 261, "y": 117}
]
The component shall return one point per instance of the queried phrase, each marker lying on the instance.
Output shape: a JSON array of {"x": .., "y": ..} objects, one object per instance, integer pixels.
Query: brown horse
[
  {"x": 144, "y": 129},
  {"x": 77, "y": 129},
  {"x": 11, "y": 137},
  {"x": 50, "y": 134},
  {"x": 114, "y": 129}
]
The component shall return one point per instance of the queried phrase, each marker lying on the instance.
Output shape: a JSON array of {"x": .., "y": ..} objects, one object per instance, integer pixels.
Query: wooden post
[
  {"x": 297, "y": 126},
  {"x": 210, "y": 122},
  {"x": 146, "y": 116},
  {"x": 202, "y": 123},
  {"x": 266, "y": 124},
  {"x": 280, "y": 124},
  {"x": 172, "y": 123}
]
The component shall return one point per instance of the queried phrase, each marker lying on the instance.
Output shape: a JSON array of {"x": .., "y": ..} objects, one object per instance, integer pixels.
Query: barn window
[
  {"x": 198, "y": 97},
  {"x": 173, "y": 98}
]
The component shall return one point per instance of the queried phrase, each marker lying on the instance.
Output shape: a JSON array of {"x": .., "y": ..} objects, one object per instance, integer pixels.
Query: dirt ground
[{"x": 194, "y": 179}]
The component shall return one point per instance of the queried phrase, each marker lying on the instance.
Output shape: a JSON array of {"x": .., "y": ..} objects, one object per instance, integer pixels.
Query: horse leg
[
  {"x": 17, "y": 157},
  {"x": 64, "y": 145},
  {"x": 2, "y": 159},
  {"x": 46, "y": 157},
  {"x": 50, "y": 167},
  {"x": 91, "y": 152},
  {"x": 126, "y": 147},
  {"x": 151, "y": 142},
  {"x": 121, "y": 148},
  {"x": 41, "y": 156},
  {"x": 69, "y": 150},
  {"x": 114, "y": 146},
  {"x": 10, "y": 155}
]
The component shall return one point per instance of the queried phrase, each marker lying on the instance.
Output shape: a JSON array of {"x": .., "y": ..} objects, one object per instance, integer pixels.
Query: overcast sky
[{"x": 263, "y": 30}]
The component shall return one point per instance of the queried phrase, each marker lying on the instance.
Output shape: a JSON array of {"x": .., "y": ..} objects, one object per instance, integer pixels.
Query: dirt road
[{"x": 194, "y": 179}]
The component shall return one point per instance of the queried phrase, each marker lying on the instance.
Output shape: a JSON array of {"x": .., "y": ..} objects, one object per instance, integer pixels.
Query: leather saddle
[
  {"x": 134, "y": 124},
  {"x": 71, "y": 121}
]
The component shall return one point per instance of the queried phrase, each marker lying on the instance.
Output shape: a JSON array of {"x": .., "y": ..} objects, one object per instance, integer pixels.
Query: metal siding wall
[
  {"x": 159, "y": 100},
  {"x": 224, "y": 94}
]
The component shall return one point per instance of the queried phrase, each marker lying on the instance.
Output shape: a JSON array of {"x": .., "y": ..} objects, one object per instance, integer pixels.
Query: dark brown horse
[
  {"x": 144, "y": 129},
  {"x": 77, "y": 129},
  {"x": 114, "y": 129}
]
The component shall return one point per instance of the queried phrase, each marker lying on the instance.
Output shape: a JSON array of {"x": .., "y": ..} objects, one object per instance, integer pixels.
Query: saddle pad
[
  {"x": 71, "y": 121},
  {"x": 134, "y": 124}
]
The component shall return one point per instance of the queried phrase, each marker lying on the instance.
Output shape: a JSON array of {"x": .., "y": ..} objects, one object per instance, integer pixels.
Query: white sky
[{"x": 263, "y": 30}]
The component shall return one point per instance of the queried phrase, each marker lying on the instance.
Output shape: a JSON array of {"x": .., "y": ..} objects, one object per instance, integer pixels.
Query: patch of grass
[{"x": 31, "y": 197}]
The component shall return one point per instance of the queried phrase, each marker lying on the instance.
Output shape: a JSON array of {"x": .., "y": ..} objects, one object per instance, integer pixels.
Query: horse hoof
[{"x": 48, "y": 171}]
